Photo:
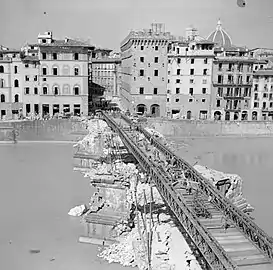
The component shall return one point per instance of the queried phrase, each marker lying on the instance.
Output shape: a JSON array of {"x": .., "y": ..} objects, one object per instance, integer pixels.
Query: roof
[
  {"x": 265, "y": 72},
  {"x": 30, "y": 58},
  {"x": 106, "y": 60},
  {"x": 220, "y": 36},
  {"x": 66, "y": 43},
  {"x": 205, "y": 41},
  {"x": 102, "y": 49},
  {"x": 232, "y": 48}
]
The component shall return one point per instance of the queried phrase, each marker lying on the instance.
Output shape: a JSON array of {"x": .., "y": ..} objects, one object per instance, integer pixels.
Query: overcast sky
[{"x": 107, "y": 22}]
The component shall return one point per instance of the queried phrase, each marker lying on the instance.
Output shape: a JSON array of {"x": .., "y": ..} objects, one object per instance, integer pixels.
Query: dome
[{"x": 220, "y": 36}]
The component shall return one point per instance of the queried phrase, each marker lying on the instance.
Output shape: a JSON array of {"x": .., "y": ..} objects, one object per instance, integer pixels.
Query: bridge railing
[
  {"x": 213, "y": 253},
  {"x": 254, "y": 233}
]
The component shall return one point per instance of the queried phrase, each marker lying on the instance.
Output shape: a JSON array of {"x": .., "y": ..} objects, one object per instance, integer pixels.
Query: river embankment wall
[
  {"x": 40, "y": 130},
  {"x": 196, "y": 128}
]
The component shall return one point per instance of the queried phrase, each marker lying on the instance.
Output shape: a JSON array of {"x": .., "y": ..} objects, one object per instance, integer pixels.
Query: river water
[
  {"x": 251, "y": 158},
  {"x": 38, "y": 187}
]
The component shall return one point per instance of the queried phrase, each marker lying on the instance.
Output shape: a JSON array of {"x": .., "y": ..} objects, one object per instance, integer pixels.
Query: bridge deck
[{"x": 238, "y": 247}]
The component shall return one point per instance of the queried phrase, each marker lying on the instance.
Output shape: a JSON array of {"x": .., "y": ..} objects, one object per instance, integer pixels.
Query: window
[
  {"x": 2, "y": 70},
  {"x": 134, "y": 78},
  {"x": 141, "y": 48},
  {"x": 16, "y": 98},
  {"x": 178, "y": 60},
  {"x": 169, "y": 61},
  {"x": 203, "y": 100},
  {"x": 141, "y": 72},
  {"x": 2, "y": 83},
  {"x": 177, "y": 90},
  {"x": 205, "y": 72},
  {"x": 168, "y": 80},
  {"x": 178, "y": 71},
  {"x": 76, "y": 56},
  {"x": 54, "y": 56},
  {"x": 265, "y": 95},
  {"x": 35, "y": 90},
  {"x": 56, "y": 90},
  {"x": 256, "y": 96},
  {"x": 156, "y": 48},
  {"x": 156, "y": 59},
  {"x": 205, "y": 60},
  {"x": 191, "y": 91},
  {"x": 142, "y": 59},
  {"x": 15, "y": 69},
  {"x": 44, "y": 56},
  {"x": 26, "y": 65},
  {"x": 177, "y": 80},
  {"x": 190, "y": 100},
  {"x": 168, "y": 99},
  {"x": 44, "y": 79},
  {"x": 3, "y": 98},
  {"x": 155, "y": 72},
  {"x": 191, "y": 71},
  {"x": 44, "y": 90},
  {"x": 204, "y": 81},
  {"x": 76, "y": 71},
  {"x": 76, "y": 90},
  {"x": 43, "y": 40},
  {"x": 149, "y": 78},
  {"x": 141, "y": 90},
  {"x": 28, "y": 110},
  {"x": 220, "y": 78},
  {"x": 27, "y": 78},
  {"x": 35, "y": 78},
  {"x": 220, "y": 91},
  {"x": 155, "y": 91},
  {"x": 16, "y": 83},
  {"x": 204, "y": 90},
  {"x": 177, "y": 100},
  {"x": 191, "y": 80},
  {"x": 44, "y": 71},
  {"x": 220, "y": 67},
  {"x": 218, "y": 103},
  {"x": 27, "y": 90},
  {"x": 256, "y": 104},
  {"x": 192, "y": 61},
  {"x": 55, "y": 71},
  {"x": 177, "y": 50}
]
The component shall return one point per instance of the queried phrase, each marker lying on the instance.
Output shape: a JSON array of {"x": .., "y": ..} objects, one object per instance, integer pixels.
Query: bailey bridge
[{"x": 243, "y": 246}]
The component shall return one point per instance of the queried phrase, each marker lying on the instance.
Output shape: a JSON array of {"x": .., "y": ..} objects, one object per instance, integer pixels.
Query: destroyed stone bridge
[{"x": 243, "y": 246}]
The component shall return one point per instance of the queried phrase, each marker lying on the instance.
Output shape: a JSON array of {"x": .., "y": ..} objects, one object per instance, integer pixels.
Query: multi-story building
[
  {"x": 105, "y": 77},
  {"x": 231, "y": 80},
  {"x": 11, "y": 93},
  {"x": 189, "y": 76},
  {"x": 62, "y": 76},
  {"x": 262, "y": 98},
  {"x": 144, "y": 71}
]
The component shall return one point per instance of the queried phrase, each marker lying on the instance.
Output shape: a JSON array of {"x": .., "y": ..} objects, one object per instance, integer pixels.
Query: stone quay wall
[{"x": 196, "y": 128}]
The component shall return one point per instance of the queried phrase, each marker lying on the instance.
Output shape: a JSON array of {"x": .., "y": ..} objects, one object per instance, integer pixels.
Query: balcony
[
  {"x": 232, "y": 83},
  {"x": 229, "y": 96}
]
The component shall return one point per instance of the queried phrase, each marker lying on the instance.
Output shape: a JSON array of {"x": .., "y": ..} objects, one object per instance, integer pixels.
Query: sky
[{"x": 107, "y": 22}]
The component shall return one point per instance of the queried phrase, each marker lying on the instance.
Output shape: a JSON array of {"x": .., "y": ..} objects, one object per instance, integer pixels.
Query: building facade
[
  {"x": 144, "y": 71},
  {"x": 189, "y": 77}
]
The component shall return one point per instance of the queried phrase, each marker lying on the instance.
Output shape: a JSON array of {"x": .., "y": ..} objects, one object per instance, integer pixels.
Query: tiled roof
[
  {"x": 231, "y": 48},
  {"x": 68, "y": 43},
  {"x": 205, "y": 41},
  {"x": 30, "y": 58}
]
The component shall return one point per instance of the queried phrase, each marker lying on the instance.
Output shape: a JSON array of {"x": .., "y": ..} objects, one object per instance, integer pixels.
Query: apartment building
[
  {"x": 262, "y": 98},
  {"x": 11, "y": 90},
  {"x": 144, "y": 71},
  {"x": 189, "y": 77},
  {"x": 62, "y": 76},
  {"x": 105, "y": 77}
]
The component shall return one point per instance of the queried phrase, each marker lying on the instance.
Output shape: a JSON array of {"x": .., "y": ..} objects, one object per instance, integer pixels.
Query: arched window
[
  {"x": 55, "y": 71},
  {"x": 2, "y": 69},
  {"x": 45, "y": 90},
  {"x": 3, "y": 98},
  {"x": 66, "y": 89},
  {"x": 16, "y": 98},
  {"x": 56, "y": 90},
  {"x": 76, "y": 71},
  {"x": 2, "y": 83},
  {"x": 76, "y": 90},
  {"x": 188, "y": 115},
  {"x": 66, "y": 70},
  {"x": 16, "y": 83}
]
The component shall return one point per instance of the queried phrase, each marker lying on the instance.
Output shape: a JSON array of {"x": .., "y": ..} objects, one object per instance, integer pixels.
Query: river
[
  {"x": 38, "y": 187},
  {"x": 251, "y": 158}
]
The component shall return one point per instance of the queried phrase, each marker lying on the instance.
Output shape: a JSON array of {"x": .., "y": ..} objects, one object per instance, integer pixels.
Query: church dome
[{"x": 220, "y": 36}]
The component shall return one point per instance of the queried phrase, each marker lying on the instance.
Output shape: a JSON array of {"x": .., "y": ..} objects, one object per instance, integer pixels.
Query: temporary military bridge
[{"x": 243, "y": 246}]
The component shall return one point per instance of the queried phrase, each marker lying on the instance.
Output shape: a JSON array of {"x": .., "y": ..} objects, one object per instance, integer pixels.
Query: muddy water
[
  {"x": 251, "y": 158},
  {"x": 38, "y": 187}
]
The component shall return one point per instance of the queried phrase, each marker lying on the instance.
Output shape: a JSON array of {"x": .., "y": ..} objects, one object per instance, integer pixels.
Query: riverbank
[
  {"x": 38, "y": 187},
  {"x": 251, "y": 158}
]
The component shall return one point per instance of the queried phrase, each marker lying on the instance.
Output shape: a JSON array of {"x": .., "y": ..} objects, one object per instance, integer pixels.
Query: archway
[
  {"x": 236, "y": 116},
  {"x": 141, "y": 108},
  {"x": 254, "y": 116},
  {"x": 189, "y": 115},
  {"x": 155, "y": 110},
  {"x": 244, "y": 116},
  {"x": 217, "y": 115},
  {"x": 227, "y": 116}
]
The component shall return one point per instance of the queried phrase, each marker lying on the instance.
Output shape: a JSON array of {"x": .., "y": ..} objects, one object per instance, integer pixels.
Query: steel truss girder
[
  {"x": 253, "y": 232},
  {"x": 213, "y": 253}
]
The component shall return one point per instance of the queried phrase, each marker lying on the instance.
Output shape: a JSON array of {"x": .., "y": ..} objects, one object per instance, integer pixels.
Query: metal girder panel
[
  {"x": 213, "y": 253},
  {"x": 254, "y": 233}
]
